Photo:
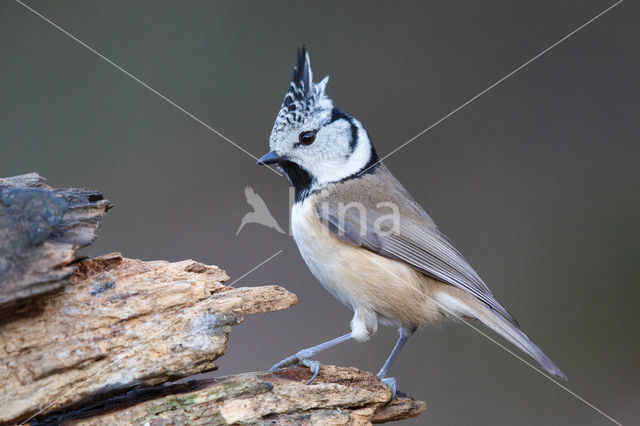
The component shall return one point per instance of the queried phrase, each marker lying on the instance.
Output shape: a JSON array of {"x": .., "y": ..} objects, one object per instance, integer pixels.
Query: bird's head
[{"x": 312, "y": 142}]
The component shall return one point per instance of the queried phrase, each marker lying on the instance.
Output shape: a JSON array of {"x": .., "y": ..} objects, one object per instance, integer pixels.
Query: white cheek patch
[{"x": 341, "y": 163}]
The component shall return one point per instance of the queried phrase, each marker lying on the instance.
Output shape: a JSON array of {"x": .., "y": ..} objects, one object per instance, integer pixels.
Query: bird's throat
[{"x": 299, "y": 178}]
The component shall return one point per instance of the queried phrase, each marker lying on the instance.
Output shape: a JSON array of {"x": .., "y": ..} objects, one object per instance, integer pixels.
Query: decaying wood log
[
  {"x": 110, "y": 333},
  {"x": 339, "y": 396},
  {"x": 122, "y": 323},
  {"x": 40, "y": 230}
]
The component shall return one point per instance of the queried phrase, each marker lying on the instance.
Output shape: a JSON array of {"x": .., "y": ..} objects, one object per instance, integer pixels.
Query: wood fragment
[
  {"x": 40, "y": 230},
  {"x": 122, "y": 323},
  {"x": 339, "y": 396}
]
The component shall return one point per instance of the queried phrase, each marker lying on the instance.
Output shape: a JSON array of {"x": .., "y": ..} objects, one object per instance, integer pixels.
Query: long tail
[{"x": 470, "y": 307}]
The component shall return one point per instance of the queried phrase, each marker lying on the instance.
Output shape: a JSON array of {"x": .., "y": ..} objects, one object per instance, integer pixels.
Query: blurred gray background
[{"x": 536, "y": 181}]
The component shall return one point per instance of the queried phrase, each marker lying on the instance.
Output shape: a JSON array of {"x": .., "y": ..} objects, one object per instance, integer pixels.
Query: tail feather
[{"x": 503, "y": 327}]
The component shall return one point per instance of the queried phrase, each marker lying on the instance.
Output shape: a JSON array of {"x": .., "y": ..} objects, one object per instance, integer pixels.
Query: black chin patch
[{"x": 299, "y": 178}]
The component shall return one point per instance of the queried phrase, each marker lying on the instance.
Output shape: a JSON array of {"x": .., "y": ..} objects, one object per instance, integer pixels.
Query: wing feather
[{"x": 416, "y": 242}]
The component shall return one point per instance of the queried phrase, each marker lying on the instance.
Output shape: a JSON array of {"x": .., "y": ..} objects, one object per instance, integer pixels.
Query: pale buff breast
[{"x": 374, "y": 286}]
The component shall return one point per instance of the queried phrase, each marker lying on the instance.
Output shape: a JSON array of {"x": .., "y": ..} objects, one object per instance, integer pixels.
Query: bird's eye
[{"x": 307, "y": 138}]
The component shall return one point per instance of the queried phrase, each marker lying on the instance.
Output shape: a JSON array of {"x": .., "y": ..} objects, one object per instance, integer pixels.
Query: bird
[
  {"x": 260, "y": 213},
  {"x": 365, "y": 238}
]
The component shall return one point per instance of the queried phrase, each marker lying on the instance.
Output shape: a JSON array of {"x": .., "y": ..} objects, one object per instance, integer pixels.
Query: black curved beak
[{"x": 269, "y": 158}]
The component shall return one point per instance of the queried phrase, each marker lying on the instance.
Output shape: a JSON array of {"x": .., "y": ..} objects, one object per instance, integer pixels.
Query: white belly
[{"x": 318, "y": 249}]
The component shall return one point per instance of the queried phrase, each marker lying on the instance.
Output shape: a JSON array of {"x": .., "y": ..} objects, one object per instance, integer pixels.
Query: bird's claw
[
  {"x": 314, "y": 367},
  {"x": 302, "y": 358},
  {"x": 392, "y": 384}
]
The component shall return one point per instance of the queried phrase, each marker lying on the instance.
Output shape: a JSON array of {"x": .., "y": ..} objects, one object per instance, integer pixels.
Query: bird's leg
[
  {"x": 382, "y": 374},
  {"x": 302, "y": 356}
]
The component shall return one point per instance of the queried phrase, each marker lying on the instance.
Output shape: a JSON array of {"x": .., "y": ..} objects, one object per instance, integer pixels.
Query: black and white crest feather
[{"x": 303, "y": 97}]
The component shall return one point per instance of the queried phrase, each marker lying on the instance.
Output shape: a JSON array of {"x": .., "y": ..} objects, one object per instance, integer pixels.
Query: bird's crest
[{"x": 303, "y": 97}]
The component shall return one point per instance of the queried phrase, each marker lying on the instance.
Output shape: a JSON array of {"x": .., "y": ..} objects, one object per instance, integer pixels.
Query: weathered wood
[
  {"x": 122, "y": 323},
  {"x": 339, "y": 396},
  {"x": 40, "y": 230},
  {"x": 106, "y": 336}
]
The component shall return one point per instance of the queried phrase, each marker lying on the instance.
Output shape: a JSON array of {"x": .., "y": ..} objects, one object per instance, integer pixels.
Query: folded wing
[{"x": 416, "y": 242}]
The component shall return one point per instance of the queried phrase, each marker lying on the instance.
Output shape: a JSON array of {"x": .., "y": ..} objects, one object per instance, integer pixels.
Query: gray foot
[
  {"x": 302, "y": 358},
  {"x": 314, "y": 367},
  {"x": 391, "y": 384}
]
